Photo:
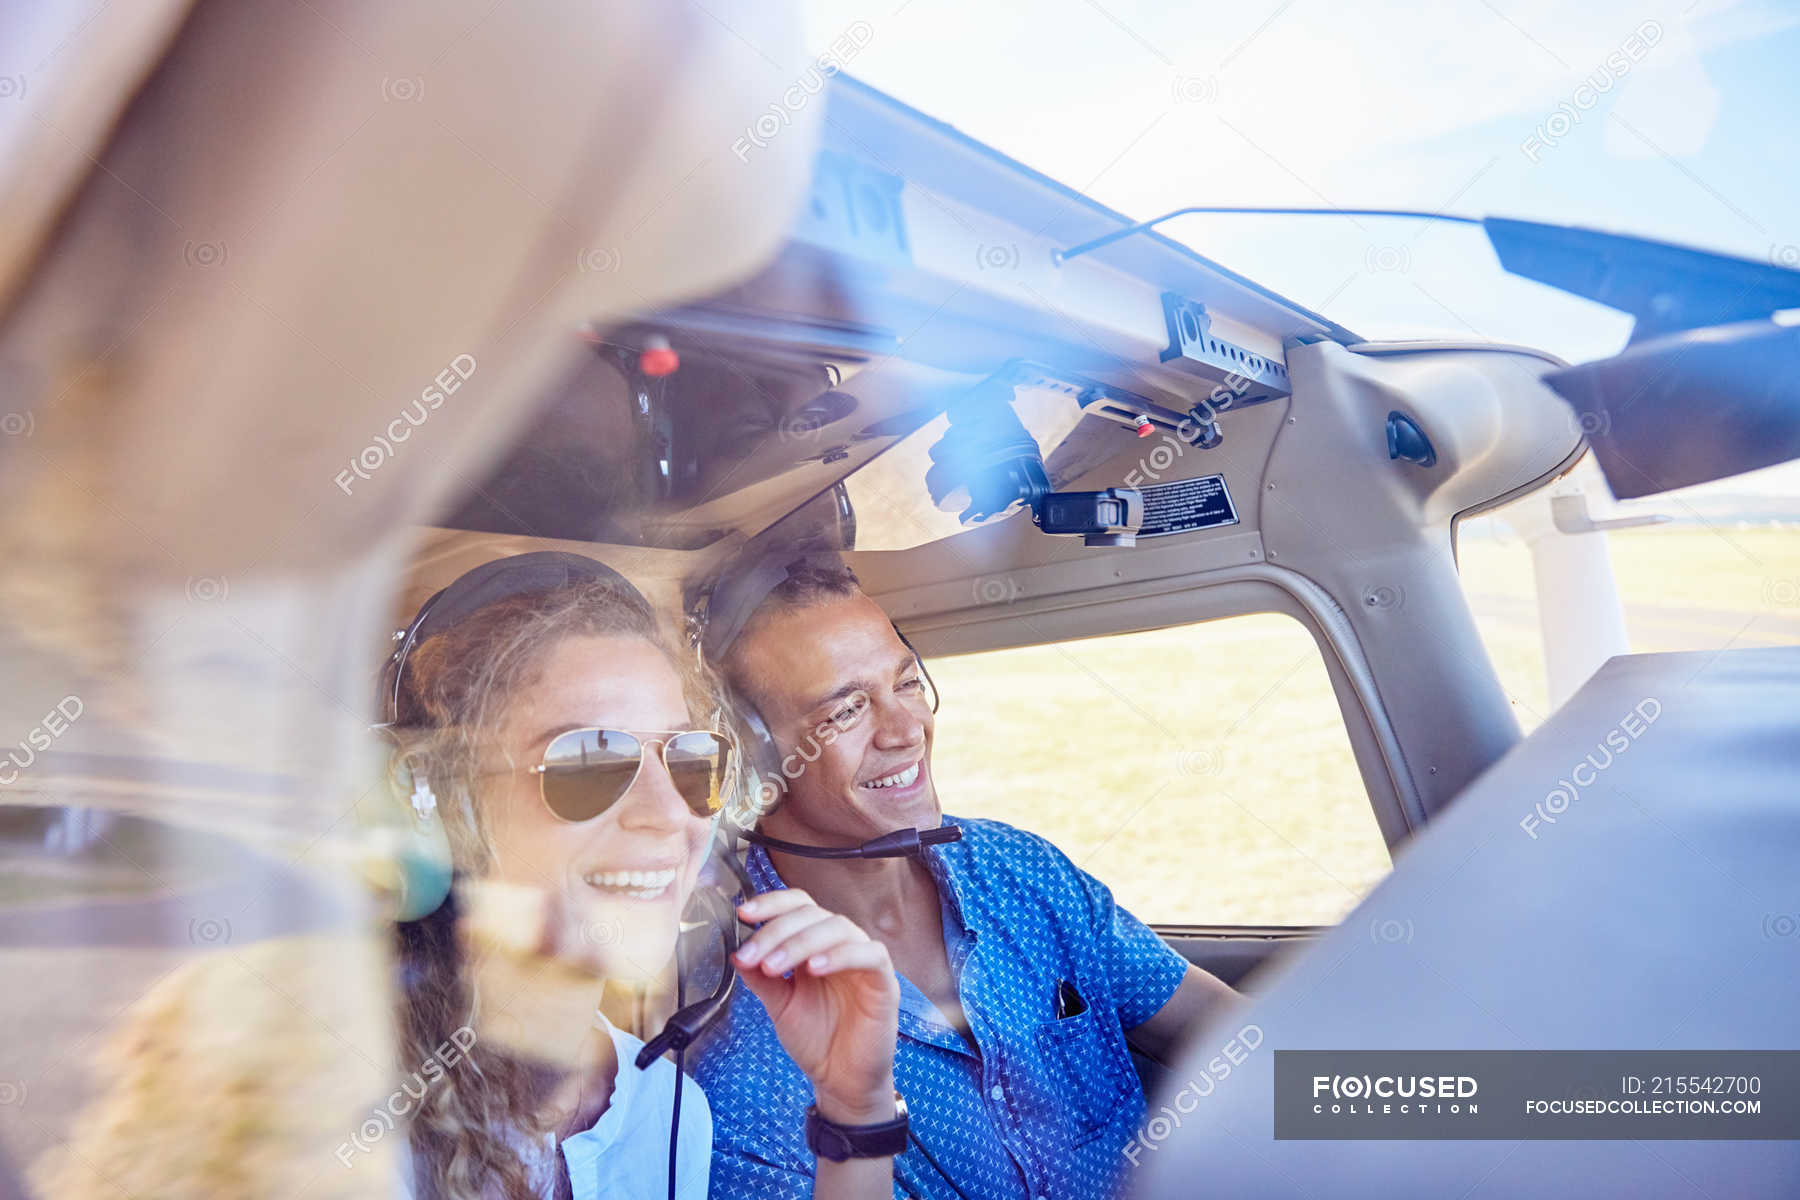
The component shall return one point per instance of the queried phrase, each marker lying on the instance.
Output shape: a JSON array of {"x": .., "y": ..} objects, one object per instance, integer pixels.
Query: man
[{"x": 1022, "y": 983}]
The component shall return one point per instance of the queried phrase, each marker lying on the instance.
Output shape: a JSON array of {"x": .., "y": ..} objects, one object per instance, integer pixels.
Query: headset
[
  {"x": 712, "y": 912},
  {"x": 716, "y": 617}
]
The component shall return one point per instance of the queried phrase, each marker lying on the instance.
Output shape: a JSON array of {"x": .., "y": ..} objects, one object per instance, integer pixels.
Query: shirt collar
[{"x": 627, "y": 1082}]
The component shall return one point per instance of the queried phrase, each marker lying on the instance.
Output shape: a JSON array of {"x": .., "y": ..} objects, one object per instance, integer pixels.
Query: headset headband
[
  {"x": 718, "y": 617},
  {"x": 519, "y": 575},
  {"x": 740, "y": 591}
]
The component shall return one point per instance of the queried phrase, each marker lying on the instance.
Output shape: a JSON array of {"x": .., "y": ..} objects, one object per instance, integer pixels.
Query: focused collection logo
[
  {"x": 1385, "y": 1095},
  {"x": 1426, "y": 1095}
]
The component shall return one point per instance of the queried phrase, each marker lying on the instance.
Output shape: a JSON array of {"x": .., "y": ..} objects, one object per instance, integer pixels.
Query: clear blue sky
[{"x": 1379, "y": 103}]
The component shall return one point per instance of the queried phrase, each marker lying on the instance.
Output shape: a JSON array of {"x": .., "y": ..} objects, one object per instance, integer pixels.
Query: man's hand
[{"x": 837, "y": 1015}]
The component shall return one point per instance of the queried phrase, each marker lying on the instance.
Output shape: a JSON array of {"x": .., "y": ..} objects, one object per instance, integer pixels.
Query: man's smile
[{"x": 905, "y": 777}]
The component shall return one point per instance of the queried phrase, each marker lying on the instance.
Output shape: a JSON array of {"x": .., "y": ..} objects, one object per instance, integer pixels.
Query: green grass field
[{"x": 1110, "y": 746}]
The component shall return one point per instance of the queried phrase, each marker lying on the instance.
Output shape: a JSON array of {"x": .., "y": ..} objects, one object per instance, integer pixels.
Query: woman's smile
[{"x": 642, "y": 883}]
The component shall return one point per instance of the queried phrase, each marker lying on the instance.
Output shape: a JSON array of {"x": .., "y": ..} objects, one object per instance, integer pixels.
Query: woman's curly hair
[{"x": 474, "y": 1129}]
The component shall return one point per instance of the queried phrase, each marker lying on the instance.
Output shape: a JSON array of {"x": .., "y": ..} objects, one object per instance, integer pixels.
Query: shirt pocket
[{"x": 1085, "y": 1077}]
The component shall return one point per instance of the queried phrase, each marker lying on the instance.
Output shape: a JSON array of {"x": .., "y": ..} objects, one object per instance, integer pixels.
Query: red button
[{"x": 658, "y": 358}]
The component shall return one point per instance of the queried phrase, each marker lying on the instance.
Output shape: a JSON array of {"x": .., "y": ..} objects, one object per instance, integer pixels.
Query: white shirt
[{"x": 626, "y": 1153}]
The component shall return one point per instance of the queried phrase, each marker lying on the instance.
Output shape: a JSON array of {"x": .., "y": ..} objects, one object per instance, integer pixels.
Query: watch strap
[{"x": 840, "y": 1143}]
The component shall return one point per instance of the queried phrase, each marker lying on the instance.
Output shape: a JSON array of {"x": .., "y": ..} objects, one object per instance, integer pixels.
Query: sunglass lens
[
  {"x": 697, "y": 763},
  {"x": 587, "y": 770}
]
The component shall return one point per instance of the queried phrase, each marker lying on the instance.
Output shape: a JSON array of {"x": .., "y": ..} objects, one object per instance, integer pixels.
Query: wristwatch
[{"x": 840, "y": 1143}]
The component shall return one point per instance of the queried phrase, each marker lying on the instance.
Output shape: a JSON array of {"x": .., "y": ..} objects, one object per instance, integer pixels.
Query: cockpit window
[{"x": 1202, "y": 772}]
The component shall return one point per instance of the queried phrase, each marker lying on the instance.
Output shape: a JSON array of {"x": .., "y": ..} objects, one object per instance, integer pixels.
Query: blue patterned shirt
[{"x": 1038, "y": 1107}]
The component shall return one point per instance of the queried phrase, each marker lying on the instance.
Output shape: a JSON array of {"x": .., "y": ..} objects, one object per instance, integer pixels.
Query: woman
[{"x": 557, "y": 739}]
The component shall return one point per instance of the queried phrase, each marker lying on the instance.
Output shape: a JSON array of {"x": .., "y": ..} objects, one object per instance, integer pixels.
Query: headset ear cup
[
  {"x": 765, "y": 757},
  {"x": 763, "y": 785},
  {"x": 765, "y": 795},
  {"x": 409, "y": 856}
]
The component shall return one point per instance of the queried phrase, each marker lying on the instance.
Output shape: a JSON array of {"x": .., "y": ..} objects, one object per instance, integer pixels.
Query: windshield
[
  {"x": 1644, "y": 120},
  {"x": 1648, "y": 120}
]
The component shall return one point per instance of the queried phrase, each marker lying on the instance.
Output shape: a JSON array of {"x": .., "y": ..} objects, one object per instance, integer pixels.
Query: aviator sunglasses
[{"x": 586, "y": 771}]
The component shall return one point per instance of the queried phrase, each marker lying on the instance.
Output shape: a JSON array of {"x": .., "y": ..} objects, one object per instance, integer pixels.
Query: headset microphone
[{"x": 902, "y": 843}]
